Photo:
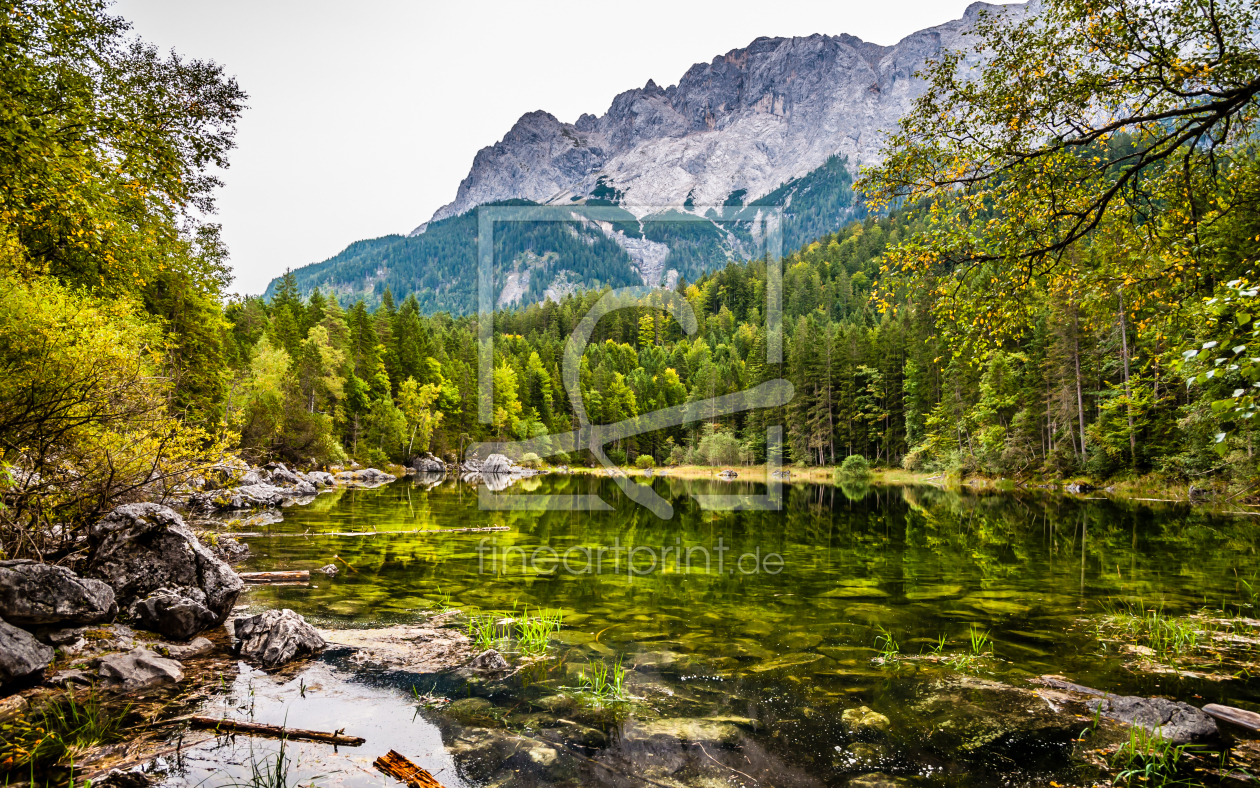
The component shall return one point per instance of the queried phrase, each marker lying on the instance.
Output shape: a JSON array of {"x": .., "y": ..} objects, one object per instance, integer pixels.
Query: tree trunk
[
  {"x": 1076, "y": 357},
  {"x": 1128, "y": 392}
]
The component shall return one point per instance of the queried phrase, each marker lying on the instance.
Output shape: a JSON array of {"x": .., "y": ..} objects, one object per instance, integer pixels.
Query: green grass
[
  {"x": 60, "y": 733},
  {"x": 1148, "y": 759},
  {"x": 602, "y": 683},
  {"x": 1167, "y": 636},
  {"x": 886, "y": 645},
  {"x": 531, "y": 632}
]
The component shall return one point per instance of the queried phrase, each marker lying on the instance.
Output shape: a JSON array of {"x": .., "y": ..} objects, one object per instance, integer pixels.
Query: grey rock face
[
  {"x": 21, "y": 655},
  {"x": 276, "y": 637},
  {"x": 197, "y": 648},
  {"x": 1177, "y": 722},
  {"x": 142, "y": 548},
  {"x": 138, "y": 669},
  {"x": 174, "y": 614},
  {"x": 751, "y": 119},
  {"x": 33, "y": 594}
]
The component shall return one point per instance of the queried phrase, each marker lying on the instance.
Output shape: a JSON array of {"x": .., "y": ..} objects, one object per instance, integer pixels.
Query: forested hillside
[{"x": 438, "y": 266}]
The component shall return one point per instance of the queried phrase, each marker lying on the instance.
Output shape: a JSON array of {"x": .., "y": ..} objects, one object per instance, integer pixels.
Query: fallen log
[
  {"x": 306, "y": 534},
  {"x": 1247, "y": 720},
  {"x": 302, "y": 576},
  {"x": 404, "y": 771},
  {"x": 277, "y": 731}
]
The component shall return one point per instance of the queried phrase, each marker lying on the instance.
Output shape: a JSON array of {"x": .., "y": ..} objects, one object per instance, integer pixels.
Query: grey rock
[
  {"x": 138, "y": 669},
  {"x": 368, "y": 477},
  {"x": 691, "y": 729},
  {"x": 321, "y": 479},
  {"x": 253, "y": 496},
  {"x": 21, "y": 655},
  {"x": 275, "y": 637},
  {"x": 428, "y": 464},
  {"x": 497, "y": 463},
  {"x": 283, "y": 475},
  {"x": 142, "y": 548},
  {"x": 177, "y": 614},
  {"x": 489, "y": 662},
  {"x": 70, "y": 678},
  {"x": 329, "y": 570},
  {"x": 59, "y": 636},
  {"x": 1080, "y": 488},
  {"x": 197, "y": 648},
  {"x": 34, "y": 594},
  {"x": 1177, "y": 722},
  {"x": 1200, "y": 494},
  {"x": 728, "y": 474}
]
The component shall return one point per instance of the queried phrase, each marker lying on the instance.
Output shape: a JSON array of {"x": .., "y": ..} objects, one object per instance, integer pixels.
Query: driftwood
[
  {"x": 404, "y": 771},
  {"x": 302, "y": 576},
  {"x": 260, "y": 534},
  {"x": 277, "y": 731},
  {"x": 1248, "y": 720}
]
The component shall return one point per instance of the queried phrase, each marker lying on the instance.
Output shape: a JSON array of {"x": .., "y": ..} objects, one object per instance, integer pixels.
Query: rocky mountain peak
[{"x": 742, "y": 124}]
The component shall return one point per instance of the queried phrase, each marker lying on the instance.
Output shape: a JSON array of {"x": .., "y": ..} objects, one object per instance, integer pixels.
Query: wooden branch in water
[
  {"x": 277, "y": 731},
  {"x": 259, "y": 534},
  {"x": 404, "y": 771},
  {"x": 302, "y": 576},
  {"x": 1247, "y": 720}
]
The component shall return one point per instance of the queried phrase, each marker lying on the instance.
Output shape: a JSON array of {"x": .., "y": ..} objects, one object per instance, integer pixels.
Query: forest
[{"x": 1054, "y": 278}]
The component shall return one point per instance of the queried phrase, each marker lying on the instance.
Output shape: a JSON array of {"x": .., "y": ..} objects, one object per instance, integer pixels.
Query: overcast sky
[{"x": 365, "y": 116}]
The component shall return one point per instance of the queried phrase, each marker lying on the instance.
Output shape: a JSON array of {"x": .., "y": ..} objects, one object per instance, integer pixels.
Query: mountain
[{"x": 782, "y": 122}]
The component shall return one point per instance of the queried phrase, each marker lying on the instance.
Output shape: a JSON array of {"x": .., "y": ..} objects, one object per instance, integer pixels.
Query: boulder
[
  {"x": 283, "y": 475},
  {"x": 488, "y": 662},
  {"x": 198, "y": 648},
  {"x": 117, "y": 778},
  {"x": 33, "y": 594},
  {"x": 428, "y": 464},
  {"x": 276, "y": 637},
  {"x": 328, "y": 569},
  {"x": 321, "y": 479},
  {"x": 497, "y": 463},
  {"x": 728, "y": 474},
  {"x": 1174, "y": 721},
  {"x": 367, "y": 476},
  {"x": 253, "y": 496},
  {"x": 142, "y": 548},
  {"x": 174, "y": 614},
  {"x": 1082, "y": 487},
  {"x": 21, "y": 655},
  {"x": 138, "y": 669}
]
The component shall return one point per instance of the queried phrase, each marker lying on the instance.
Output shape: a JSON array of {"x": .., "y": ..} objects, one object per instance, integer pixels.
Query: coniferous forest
[{"x": 1032, "y": 294}]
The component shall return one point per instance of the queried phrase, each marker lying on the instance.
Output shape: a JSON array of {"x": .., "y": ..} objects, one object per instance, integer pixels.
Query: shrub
[
  {"x": 855, "y": 466},
  {"x": 531, "y": 460},
  {"x": 644, "y": 461}
]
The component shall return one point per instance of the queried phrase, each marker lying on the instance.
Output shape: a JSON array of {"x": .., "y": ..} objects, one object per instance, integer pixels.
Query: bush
[
  {"x": 531, "y": 460},
  {"x": 644, "y": 461},
  {"x": 855, "y": 466},
  {"x": 84, "y": 424},
  {"x": 719, "y": 448}
]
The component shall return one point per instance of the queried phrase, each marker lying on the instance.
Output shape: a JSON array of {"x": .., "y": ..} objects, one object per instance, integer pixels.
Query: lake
[{"x": 865, "y": 636}]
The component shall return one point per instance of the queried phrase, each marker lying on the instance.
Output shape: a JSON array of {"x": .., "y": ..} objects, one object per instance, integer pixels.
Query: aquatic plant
[
  {"x": 886, "y": 645},
  {"x": 602, "y": 682},
  {"x": 1148, "y": 759},
  {"x": 488, "y": 630},
  {"x": 533, "y": 633},
  {"x": 1167, "y": 636}
]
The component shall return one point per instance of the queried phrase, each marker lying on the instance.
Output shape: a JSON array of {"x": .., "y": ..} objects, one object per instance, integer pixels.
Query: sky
[{"x": 364, "y": 117}]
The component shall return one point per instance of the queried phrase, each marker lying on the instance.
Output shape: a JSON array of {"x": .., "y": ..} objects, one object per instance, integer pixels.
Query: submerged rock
[
  {"x": 34, "y": 594},
  {"x": 686, "y": 729},
  {"x": 864, "y": 720},
  {"x": 275, "y": 637},
  {"x": 138, "y": 669},
  {"x": 421, "y": 649},
  {"x": 328, "y": 569},
  {"x": 489, "y": 662},
  {"x": 144, "y": 548},
  {"x": 21, "y": 655}
]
